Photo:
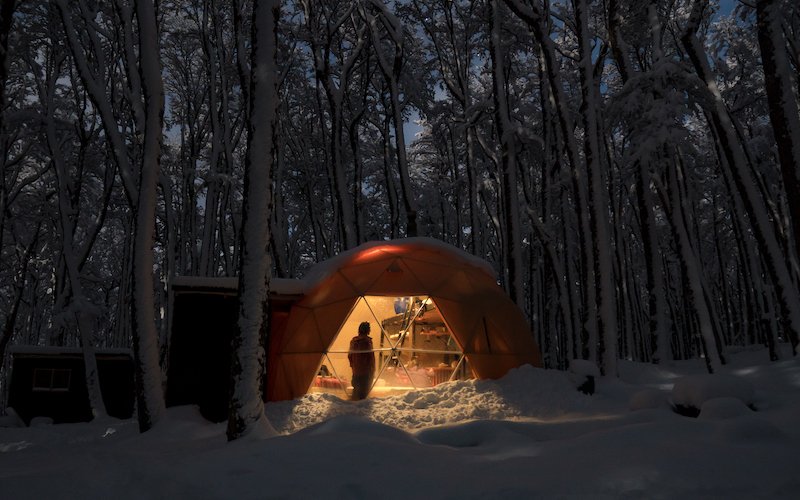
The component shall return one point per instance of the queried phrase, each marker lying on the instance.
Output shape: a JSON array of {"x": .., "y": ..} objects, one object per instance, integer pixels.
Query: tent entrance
[{"x": 412, "y": 343}]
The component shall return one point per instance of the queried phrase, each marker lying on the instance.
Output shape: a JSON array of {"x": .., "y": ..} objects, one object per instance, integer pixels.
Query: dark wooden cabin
[{"x": 51, "y": 382}]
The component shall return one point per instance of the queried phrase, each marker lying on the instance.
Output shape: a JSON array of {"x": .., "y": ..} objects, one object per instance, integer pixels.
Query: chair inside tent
[{"x": 436, "y": 314}]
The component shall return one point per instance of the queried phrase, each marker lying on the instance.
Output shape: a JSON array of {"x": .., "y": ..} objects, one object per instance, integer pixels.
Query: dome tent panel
[
  {"x": 361, "y": 276},
  {"x": 331, "y": 318},
  {"x": 302, "y": 332},
  {"x": 277, "y": 388},
  {"x": 462, "y": 318},
  {"x": 396, "y": 280},
  {"x": 480, "y": 341},
  {"x": 334, "y": 288},
  {"x": 431, "y": 274},
  {"x": 509, "y": 320},
  {"x": 496, "y": 333},
  {"x": 298, "y": 372},
  {"x": 458, "y": 287}
]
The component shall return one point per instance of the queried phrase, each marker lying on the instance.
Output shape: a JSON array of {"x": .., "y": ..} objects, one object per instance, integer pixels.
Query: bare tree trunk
[
  {"x": 598, "y": 196},
  {"x": 10, "y": 319},
  {"x": 67, "y": 225},
  {"x": 6, "y": 18},
  {"x": 512, "y": 240},
  {"x": 149, "y": 390},
  {"x": 691, "y": 268},
  {"x": 248, "y": 364},
  {"x": 782, "y": 106}
]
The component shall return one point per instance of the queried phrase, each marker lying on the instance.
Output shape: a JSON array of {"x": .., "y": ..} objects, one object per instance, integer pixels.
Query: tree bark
[
  {"x": 782, "y": 103},
  {"x": 248, "y": 364},
  {"x": 512, "y": 240},
  {"x": 149, "y": 390},
  {"x": 598, "y": 196}
]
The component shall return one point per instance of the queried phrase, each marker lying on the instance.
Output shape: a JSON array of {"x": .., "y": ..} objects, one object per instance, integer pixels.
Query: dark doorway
[{"x": 203, "y": 325}]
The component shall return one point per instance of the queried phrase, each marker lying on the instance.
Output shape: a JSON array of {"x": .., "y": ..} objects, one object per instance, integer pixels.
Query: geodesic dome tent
[{"x": 436, "y": 314}]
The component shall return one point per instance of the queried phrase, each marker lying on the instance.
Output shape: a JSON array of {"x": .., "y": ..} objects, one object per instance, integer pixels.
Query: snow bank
[
  {"x": 723, "y": 408},
  {"x": 523, "y": 392},
  {"x": 693, "y": 391}
]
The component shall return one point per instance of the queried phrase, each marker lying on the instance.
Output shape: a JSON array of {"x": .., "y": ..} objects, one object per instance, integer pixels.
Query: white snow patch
[{"x": 695, "y": 390}]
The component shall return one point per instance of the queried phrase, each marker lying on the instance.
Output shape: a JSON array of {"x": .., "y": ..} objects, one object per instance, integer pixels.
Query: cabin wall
[{"x": 65, "y": 399}]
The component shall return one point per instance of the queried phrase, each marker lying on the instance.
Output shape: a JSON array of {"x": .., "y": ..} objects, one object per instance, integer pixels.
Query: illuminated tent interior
[{"x": 436, "y": 314}]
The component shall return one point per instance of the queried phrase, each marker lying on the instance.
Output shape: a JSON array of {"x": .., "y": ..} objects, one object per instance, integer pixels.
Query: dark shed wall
[
  {"x": 200, "y": 352},
  {"x": 72, "y": 405}
]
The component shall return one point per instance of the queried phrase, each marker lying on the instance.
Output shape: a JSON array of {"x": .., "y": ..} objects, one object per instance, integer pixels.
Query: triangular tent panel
[
  {"x": 330, "y": 319},
  {"x": 428, "y": 273},
  {"x": 500, "y": 342},
  {"x": 397, "y": 280},
  {"x": 480, "y": 342},
  {"x": 459, "y": 319},
  {"x": 458, "y": 287},
  {"x": 300, "y": 370},
  {"x": 302, "y": 334},
  {"x": 334, "y": 289},
  {"x": 362, "y": 276}
]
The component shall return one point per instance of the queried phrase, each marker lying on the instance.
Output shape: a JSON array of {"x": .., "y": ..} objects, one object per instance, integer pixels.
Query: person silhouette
[{"x": 362, "y": 362}]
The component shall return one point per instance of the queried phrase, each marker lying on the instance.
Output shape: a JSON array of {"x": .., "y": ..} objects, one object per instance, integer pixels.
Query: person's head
[{"x": 363, "y": 328}]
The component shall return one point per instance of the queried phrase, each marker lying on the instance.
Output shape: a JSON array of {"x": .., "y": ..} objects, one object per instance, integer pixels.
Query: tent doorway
[{"x": 413, "y": 347}]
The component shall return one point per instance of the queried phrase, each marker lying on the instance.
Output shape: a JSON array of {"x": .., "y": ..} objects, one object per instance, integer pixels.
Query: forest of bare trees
[{"x": 631, "y": 168}]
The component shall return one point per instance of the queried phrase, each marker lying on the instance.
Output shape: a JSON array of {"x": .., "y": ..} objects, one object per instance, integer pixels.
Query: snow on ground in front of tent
[{"x": 528, "y": 435}]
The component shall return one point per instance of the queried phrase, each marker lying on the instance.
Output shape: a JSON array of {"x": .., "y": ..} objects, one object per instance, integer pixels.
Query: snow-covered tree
[{"x": 248, "y": 366}]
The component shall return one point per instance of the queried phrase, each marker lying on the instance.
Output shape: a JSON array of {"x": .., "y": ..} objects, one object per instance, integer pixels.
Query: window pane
[
  {"x": 42, "y": 378},
  {"x": 61, "y": 379}
]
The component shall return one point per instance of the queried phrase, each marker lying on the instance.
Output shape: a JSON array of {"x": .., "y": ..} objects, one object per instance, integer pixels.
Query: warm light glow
[
  {"x": 370, "y": 254},
  {"x": 413, "y": 348}
]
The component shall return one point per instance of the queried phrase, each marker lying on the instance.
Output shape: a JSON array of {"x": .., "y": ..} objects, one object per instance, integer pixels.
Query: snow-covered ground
[{"x": 529, "y": 435}]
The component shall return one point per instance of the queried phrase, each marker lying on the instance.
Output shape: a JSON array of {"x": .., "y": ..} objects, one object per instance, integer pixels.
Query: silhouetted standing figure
[{"x": 362, "y": 362}]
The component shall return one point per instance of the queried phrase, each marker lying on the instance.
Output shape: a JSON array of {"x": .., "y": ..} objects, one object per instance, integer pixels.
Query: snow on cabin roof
[
  {"x": 56, "y": 350},
  {"x": 287, "y": 286},
  {"x": 277, "y": 286},
  {"x": 226, "y": 283}
]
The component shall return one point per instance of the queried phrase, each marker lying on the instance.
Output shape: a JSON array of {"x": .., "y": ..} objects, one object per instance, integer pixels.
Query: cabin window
[{"x": 51, "y": 379}]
